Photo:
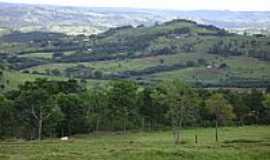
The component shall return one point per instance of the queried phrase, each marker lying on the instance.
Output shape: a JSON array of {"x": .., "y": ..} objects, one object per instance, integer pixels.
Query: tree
[
  {"x": 266, "y": 101},
  {"x": 218, "y": 106},
  {"x": 122, "y": 98},
  {"x": 58, "y": 54},
  {"x": 190, "y": 63},
  {"x": 254, "y": 102},
  {"x": 38, "y": 106},
  {"x": 161, "y": 60},
  {"x": 268, "y": 89},
  {"x": 74, "y": 112},
  {"x": 151, "y": 112},
  {"x": 1, "y": 75},
  {"x": 55, "y": 72},
  {"x": 181, "y": 102},
  {"x": 98, "y": 74},
  {"x": 240, "y": 109},
  {"x": 2, "y": 83},
  {"x": 7, "y": 115},
  {"x": 202, "y": 62},
  {"x": 266, "y": 104},
  {"x": 96, "y": 102}
]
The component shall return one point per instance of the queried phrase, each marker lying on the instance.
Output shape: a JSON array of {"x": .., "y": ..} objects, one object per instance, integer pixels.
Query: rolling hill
[{"x": 203, "y": 55}]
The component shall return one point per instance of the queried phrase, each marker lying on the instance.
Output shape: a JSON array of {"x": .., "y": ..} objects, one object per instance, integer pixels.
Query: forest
[{"x": 47, "y": 109}]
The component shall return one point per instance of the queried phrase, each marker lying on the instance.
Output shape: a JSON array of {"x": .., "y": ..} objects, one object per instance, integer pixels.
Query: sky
[{"x": 234, "y": 5}]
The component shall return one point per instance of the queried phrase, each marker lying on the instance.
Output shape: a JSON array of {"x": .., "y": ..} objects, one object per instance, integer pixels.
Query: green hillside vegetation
[
  {"x": 237, "y": 67},
  {"x": 128, "y": 64},
  {"x": 179, "y": 49}
]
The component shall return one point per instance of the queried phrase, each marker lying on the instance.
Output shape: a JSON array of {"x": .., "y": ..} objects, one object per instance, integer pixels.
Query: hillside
[
  {"x": 79, "y": 20},
  {"x": 180, "y": 49}
]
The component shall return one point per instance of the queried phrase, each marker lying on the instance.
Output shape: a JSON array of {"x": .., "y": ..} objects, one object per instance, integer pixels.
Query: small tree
[
  {"x": 266, "y": 104},
  {"x": 2, "y": 83},
  {"x": 202, "y": 62},
  {"x": 266, "y": 101},
  {"x": 222, "y": 110},
  {"x": 98, "y": 74},
  {"x": 190, "y": 63}
]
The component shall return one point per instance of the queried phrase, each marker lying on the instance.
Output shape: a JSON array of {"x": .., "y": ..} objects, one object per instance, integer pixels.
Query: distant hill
[
  {"x": 200, "y": 54},
  {"x": 75, "y": 20}
]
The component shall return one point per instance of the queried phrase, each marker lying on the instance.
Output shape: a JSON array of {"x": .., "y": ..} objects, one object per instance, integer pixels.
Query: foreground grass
[{"x": 244, "y": 143}]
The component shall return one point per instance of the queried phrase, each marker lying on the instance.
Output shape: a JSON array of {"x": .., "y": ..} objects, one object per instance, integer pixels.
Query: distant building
[
  {"x": 89, "y": 49},
  {"x": 209, "y": 67}
]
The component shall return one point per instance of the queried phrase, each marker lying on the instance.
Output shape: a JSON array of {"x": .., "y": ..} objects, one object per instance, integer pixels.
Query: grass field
[
  {"x": 43, "y": 55},
  {"x": 37, "y": 55},
  {"x": 238, "y": 143},
  {"x": 238, "y": 67},
  {"x": 130, "y": 64},
  {"x": 15, "y": 79},
  {"x": 242, "y": 67}
]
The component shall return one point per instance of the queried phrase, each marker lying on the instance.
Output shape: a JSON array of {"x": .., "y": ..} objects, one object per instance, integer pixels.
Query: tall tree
[
  {"x": 152, "y": 114},
  {"x": 181, "y": 102},
  {"x": 96, "y": 102},
  {"x": 220, "y": 107},
  {"x": 122, "y": 98},
  {"x": 254, "y": 102},
  {"x": 7, "y": 115},
  {"x": 240, "y": 108},
  {"x": 74, "y": 112},
  {"x": 38, "y": 106}
]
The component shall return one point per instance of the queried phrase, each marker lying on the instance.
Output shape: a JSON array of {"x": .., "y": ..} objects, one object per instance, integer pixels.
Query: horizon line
[{"x": 138, "y": 8}]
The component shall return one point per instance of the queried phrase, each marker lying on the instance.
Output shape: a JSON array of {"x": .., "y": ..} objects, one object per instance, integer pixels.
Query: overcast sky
[{"x": 246, "y": 5}]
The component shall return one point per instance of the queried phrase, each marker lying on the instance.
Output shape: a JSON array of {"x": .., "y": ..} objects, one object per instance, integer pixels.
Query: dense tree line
[
  {"x": 254, "y": 48},
  {"x": 84, "y": 72},
  {"x": 45, "y": 108}
]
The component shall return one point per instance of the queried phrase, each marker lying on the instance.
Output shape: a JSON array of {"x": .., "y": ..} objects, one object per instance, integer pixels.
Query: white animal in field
[{"x": 64, "y": 138}]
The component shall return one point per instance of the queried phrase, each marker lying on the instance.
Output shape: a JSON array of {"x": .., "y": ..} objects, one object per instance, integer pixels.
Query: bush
[{"x": 190, "y": 63}]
